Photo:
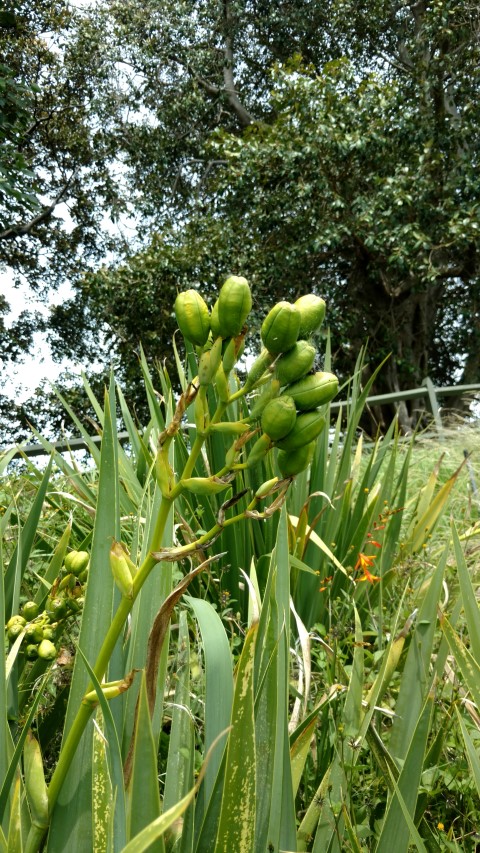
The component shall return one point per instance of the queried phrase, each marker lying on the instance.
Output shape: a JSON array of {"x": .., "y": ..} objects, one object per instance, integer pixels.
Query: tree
[{"x": 355, "y": 175}]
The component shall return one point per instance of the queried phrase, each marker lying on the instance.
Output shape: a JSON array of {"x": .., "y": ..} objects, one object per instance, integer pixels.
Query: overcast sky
[{"x": 21, "y": 380}]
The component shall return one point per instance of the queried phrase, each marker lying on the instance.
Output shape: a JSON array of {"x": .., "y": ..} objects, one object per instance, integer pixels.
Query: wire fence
[{"x": 427, "y": 391}]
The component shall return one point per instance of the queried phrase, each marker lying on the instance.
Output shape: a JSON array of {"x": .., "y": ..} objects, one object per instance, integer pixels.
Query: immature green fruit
[
  {"x": 279, "y": 417},
  {"x": 307, "y": 427},
  {"x": 56, "y": 608},
  {"x": 30, "y": 610},
  {"x": 280, "y": 328},
  {"x": 16, "y": 620},
  {"x": 31, "y": 651},
  {"x": 164, "y": 473},
  {"x": 295, "y": 363},
  {"x": 121, "y": 570},
  {"x": 259, "y": 450},
  {"x": 48, "y": 632},
  {"x": 34, "y": 633},
  {"x": 312, "y": 308},
  {"x": 293, "y": 462},
  {"x": 46, "y": 650},
  {"x": 314, "y": 390},
  {"x": 205, "y": 485},
  {"x": 37, "y": 793},
  {"x": 266, "y": 488},
  {"x": 270, "y": 390},
  {"x": 234, "y": 305},
  {"x": 76, "y": 562},
  {"x": 209, "y": 362},
  {"x": 193, "y": 317},
  {"x": 215, "y": 322},
  {"x": 14, "y": 631}
]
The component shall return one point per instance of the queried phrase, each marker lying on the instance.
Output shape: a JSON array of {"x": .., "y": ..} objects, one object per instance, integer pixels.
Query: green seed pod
[
  {"x": 193, "y": 317},
  {"x": 68, "y": 582},
  {"x": 14, "y": 631},
  {"x": 209, "y": 362},
  {"x": 229, "y": 427},
  {"x": 230, "y": 455},
  {"x": 201, "y": 411},
  {"x": 31, "y": 651},
  {"x": 314, "y": 390},
  {"x": 16, "y": 619},
  {"x": 269, "y": 392},
  {"x": 307, "y": 427},
  {"x": 292, "y": 462},
  {"x": 56, "y": 608},
  {"x": 205, "y": 485},
  {"x": 279, "y": 417},
  {"x": 34, "y": 633},
  {"x": 214, "y": 322},
  {"x": 48, "y": 632},
  {"x": 258, "y": 368},
  {"x": 234, "y": 305},
  {"x": 266, "y": 487},
  {"x": 83, "y": 576},
  {"x": 312, "y": 309},
  {"x": 230, "y": 356},
  {"x": 259, "y": 450},
  {"x": 280, "y": 328},
  {"x": 121, "y": 569},
  {"x": 30, "y": 610},
  {"x": 47, "y": 650},
  {"x": 76, "y": 562},
  {"x": 221, "y": 384},
  {"x": 37, "y": 794},
  {"x": 295, "y": 363},
  {"x": 163, "y": 473}
]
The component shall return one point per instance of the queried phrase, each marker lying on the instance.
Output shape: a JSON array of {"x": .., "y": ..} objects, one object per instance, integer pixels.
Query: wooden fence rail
[{"x": 427, "y": 391}]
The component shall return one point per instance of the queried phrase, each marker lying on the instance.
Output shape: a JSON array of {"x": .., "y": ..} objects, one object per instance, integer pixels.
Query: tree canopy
[{"x": 308, "y": 146}]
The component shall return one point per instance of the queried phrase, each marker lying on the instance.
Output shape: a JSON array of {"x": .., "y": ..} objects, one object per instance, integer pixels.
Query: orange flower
[
  {"x": 367, "y": 576},
  {"x": 363, "y": 563}
]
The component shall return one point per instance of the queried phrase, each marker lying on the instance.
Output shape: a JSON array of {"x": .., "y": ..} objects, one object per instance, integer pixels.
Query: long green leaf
[
  {"x": 469, "y": 599},
  {"x": 395, "y": 834},
  {"x": 103, "y": 802},
  {"x": 28, "y": 537},
  {"x": 143, "y": 794},
  {"x": 471, "y": 750},
  {"x": 466, "y": 663},
  {"x": 218, "y": 683},
  {"x": 158, "y": 827},
  {"x": 236, "y": 830},
  {"x": 416, "y": 678},
  {"x": 114, "y": 762},
  {"x": 179, "y": 776},
  {"x": 275, "y": 802}
]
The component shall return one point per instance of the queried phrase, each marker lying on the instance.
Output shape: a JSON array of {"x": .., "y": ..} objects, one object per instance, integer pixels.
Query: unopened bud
[{"x": 121, "y": 569}]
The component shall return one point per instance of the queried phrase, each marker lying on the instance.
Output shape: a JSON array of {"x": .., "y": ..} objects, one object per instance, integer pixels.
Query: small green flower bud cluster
[
  {"x": 40, "y": 631},
  {"x": 287, "y": 393}
]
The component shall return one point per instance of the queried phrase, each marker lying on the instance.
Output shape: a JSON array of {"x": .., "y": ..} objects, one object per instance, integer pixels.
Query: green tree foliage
[{"x": 303, "y": 143}]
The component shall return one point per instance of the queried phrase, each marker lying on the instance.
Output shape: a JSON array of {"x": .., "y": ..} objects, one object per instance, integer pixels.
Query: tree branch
[
  {"x": 243, "y": 115},
  {"x": 25, "y": 228}
]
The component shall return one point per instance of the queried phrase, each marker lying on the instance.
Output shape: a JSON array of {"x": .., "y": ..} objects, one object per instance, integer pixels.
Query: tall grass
[{"x": 296, "y": 672}]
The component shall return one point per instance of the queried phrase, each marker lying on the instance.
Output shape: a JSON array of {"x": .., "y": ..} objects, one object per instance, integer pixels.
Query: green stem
[{"x": 103, "y": 659}]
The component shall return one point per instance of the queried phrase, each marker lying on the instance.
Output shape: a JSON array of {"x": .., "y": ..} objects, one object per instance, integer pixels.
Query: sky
[{"x": 21, "y": 380}]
